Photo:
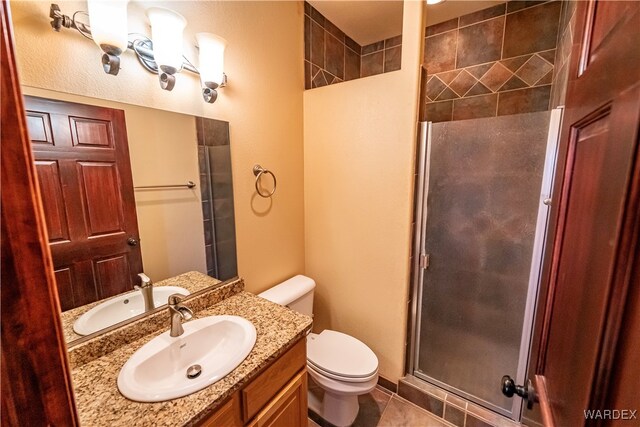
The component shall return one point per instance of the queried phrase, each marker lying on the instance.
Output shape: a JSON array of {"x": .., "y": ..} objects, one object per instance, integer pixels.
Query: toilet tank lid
[{"x": 289, "y": 290}]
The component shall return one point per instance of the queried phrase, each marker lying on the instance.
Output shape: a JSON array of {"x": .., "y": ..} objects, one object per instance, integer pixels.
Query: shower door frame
[{"x": 421, "y": 261}]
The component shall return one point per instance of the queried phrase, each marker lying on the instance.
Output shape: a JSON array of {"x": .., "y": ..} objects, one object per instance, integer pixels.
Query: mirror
[{"x": 176, "y": 217}]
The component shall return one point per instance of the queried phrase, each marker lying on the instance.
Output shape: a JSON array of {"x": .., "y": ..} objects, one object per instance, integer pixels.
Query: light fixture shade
[
  {"x": 167, "y": 27},
  {"x": 211, "y": 59},
  {"x": 108, "y": 21}
]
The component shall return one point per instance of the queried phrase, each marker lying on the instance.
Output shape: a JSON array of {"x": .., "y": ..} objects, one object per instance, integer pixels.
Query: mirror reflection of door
[{"x": 82, "y": 160}]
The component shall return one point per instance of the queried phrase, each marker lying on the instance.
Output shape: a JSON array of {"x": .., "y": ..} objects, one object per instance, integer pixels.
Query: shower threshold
[{"x": 454, "y": 406}]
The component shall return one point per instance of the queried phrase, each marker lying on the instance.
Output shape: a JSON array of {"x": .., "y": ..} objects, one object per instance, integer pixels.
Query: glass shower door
[{"x": 484, "y": 181}]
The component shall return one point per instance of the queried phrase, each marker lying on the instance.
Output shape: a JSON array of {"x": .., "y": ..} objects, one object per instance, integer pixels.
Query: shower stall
[{"x": 482, "y": 195}]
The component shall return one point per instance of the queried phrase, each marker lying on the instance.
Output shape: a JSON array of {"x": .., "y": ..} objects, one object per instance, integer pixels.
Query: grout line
[
  {"x": 484, "y": 20},
  {"x": 504, "y": 33},
  {"x": 455, "y": 57},
  {"x": 530, "y": 7}
]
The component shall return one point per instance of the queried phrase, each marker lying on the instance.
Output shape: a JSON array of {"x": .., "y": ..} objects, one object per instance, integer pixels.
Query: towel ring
[{"x": 258, "y": 171}]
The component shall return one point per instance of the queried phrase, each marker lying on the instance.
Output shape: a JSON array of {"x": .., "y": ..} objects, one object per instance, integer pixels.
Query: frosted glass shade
[
  {"x": 108, "y": 21},
  {"x": 167, "y": 27},
  {"x": 211, "y": 58}
]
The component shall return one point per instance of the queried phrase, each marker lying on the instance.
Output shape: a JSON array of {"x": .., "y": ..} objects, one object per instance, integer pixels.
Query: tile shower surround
[
  {"x": 566, "y": 33},
  {"x": 331, "y": 56},
  {"x": 493, "y": 62},
  {"x": 216, "y": 186}
]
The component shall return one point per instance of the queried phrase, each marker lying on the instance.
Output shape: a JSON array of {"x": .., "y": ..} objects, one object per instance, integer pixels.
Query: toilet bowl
[{"x": 343, "y": 366}]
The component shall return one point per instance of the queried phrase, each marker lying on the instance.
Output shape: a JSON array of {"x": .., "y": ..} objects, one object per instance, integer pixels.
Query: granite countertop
[
  {"x": 192, "y": 281},
  {"x": 100, "y": 403}
]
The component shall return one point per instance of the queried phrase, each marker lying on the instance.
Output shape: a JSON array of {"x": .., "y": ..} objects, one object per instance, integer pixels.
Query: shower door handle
[{"x": 527, "y": 392}]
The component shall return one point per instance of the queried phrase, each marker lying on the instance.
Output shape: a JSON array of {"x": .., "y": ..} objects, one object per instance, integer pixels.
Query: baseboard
[{"x": 387, "y": 384}]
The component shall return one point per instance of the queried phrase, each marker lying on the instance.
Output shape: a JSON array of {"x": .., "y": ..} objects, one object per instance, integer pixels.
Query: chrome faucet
[
  {"x": 178, "y": 313},
  {"x": 147, "y": 291}
]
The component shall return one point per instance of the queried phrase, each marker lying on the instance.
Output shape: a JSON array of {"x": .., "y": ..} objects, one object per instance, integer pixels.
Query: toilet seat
[{"x": 341, "y": 357}]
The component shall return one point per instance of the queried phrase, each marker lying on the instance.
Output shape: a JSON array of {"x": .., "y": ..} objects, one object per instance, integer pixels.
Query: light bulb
[
  {"x": 108, "y": 21},
  {"x": 167, "y": 27},
  {"x": 211, "y": 59}
]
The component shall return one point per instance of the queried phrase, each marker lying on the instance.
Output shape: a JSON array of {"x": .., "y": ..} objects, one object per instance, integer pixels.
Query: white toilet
[{"x": 341, "y": 365}]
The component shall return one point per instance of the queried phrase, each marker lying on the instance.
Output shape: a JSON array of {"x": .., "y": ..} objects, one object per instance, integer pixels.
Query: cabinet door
[
  {"x": 227, "y": 416},
  {"x": 288, "y": 408}
]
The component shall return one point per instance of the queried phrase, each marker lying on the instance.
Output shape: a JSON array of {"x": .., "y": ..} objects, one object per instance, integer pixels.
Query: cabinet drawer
[{"x": 274, "y": 378}]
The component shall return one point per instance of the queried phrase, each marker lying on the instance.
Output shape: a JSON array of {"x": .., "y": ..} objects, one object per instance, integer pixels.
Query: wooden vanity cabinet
[{"x": 276, "y": 397}]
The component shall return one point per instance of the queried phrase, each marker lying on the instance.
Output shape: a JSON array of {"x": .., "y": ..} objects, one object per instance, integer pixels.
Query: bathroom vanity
[{"x": 268, "y": 388}]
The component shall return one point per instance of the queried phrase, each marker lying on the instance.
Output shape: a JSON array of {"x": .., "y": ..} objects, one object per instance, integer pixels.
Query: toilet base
[
  {"x": 339, "y": 408},
  {"x": 341, "y": 411}
]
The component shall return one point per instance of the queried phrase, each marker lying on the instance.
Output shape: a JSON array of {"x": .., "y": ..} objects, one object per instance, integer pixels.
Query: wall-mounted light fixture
[
  {"x": 161, "y": 54},
  {"x": 211, "y": 61},
  {"x": 109, "y": 30}
]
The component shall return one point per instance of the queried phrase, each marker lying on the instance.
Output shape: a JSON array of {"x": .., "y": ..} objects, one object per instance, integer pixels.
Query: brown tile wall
[
  {"x": 566, "y": 33},
  {"x": 331, "y": 56},
  {"x": 492, "y": 62}
]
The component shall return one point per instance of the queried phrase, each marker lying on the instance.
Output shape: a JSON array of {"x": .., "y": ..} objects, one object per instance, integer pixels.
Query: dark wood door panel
[
  {"x": 64, "y": 282},
  {"x": 87, "y": 132},
  {"x": 606, "y": 15},
  {"x": 53, "y": 202},
  {"x": 101, "y": 197},
  {"x": 113, "y": 275},
  {"x": 39, "y": 125}
]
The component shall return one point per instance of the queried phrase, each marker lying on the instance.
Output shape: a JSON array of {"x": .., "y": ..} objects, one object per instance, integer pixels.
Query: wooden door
[
  {"x": 36, "y": 378},
  {"x": 83, "y": 167},
  {"x": 590, "y": 291}
]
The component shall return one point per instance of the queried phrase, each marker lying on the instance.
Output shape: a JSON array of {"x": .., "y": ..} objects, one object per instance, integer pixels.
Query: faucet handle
[
  {"x": 146, "y": 281},
  {"x": 175, "y": 299}
]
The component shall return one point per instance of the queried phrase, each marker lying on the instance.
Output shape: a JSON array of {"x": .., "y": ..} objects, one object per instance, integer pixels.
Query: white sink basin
[
  {"x": 158, "y": 370},
  {"x": 121, "y": 308}
]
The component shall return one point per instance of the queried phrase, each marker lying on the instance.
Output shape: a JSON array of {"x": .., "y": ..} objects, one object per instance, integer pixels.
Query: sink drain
[{"x": 194, "y": 371}]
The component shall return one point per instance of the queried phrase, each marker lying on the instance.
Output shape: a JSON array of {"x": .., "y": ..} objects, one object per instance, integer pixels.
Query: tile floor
[{"x": 383, "y": 409}]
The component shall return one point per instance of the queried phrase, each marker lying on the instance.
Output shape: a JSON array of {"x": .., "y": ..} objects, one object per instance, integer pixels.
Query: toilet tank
[{"x": 295, "y": 293}]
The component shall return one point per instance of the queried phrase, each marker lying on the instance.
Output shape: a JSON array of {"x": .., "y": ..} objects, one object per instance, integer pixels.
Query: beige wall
[
  {"x": 359, "y": 141},
  {"x": 263, "y": 104},
  {"x": 162, "y": 150}
]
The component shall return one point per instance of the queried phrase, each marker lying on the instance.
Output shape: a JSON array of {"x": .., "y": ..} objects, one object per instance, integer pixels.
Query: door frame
[{"x": 33, "y": 347}]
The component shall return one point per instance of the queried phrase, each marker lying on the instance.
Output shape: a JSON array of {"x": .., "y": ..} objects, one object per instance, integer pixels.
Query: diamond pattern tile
[
  {"x": 513, "y": 83},
  {"x": 462, "y": 83},
  {"x": 478, "y": 89},
  {"x": 514, "y": 63},
  {"x": 449, "y": 76},
  {"x": 496, "y": 76},
  {"x": 434, "y": 88},
  {"x": 447, "y": 94},
  {"x": 533, "y": 70},
  {"x": 478, "y": 71}
]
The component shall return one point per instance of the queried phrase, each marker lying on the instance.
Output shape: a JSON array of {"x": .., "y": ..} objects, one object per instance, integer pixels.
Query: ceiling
[
  {"x": 370, "y": 21},
  {"x": 364, "y": 21}
]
